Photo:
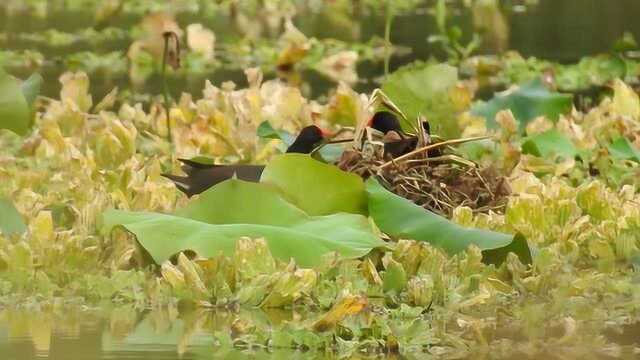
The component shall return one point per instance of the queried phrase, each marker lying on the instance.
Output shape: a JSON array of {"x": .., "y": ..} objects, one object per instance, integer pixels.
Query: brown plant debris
[{"x": 439, "y": 184}]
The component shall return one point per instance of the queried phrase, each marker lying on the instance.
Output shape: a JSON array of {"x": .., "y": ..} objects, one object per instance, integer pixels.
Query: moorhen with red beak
[
  {"x": 396, "y": 141},
  {"x": 200, "y": 176}
]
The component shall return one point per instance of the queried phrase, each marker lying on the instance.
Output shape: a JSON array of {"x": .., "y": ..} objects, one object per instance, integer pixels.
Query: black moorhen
[
  {"x": 200, "y": 176},
  {"x": 396, "y": 141}
]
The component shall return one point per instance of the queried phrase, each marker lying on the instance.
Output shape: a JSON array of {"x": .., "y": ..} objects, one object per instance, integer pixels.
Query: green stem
[
  {"x": 387, "y": 37},
  {"x": 165, "y": 87}
]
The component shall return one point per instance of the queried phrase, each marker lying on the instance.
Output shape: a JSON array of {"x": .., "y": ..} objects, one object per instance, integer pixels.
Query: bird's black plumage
[
  {"x": 386, "y": 122},
  {"x": 201, "y": 177},
  {"x": 307, "y": 140}
]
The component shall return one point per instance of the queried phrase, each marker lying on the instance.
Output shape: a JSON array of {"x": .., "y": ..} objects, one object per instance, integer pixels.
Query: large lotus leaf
[
  {"x": 15, "y": 114},
  {"x": 315, "y": 187},
  {"x": 424, "y": 89},
  {"x": 621, "y": 148},
  {"x": 233, "y": 209},
  {"x": 11, "y": 221},
  {"x": 165, "y": 235},
  {"x": 549, "y": 144},
  {"x": 526, "y": 103},
  {"x": 239, "y": 202},
  {"x": 400, "y": 218}
]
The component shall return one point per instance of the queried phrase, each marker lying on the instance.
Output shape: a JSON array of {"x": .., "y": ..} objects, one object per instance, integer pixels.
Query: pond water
[
  {"x": 561, "y": 30},
  {"x": 119, "y": 333}
]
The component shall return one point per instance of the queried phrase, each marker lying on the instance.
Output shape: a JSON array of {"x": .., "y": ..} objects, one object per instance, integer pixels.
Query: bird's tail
[
  {"x": 190, "y": 167},
  {"x": 181, "y": 182}
]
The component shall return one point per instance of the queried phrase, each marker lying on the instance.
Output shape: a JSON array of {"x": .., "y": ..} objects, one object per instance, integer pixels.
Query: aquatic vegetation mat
[{"x": 364, "y": 269}]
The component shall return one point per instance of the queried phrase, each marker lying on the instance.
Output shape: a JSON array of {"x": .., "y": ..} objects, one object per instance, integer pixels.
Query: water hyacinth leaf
[
  {"x": 400, "y": 218},
  {"x": 289, "y": 286},
  {"x": 347, "y": 306},
  {"x": 424, "y": 89},
  {"x": 315, "y": 187},
  {"x": 215, "y": 221},
  {"x": 589, "y": 72},
  {"x": 549, "y": 144},
  {"x": 15, "y": 114},
  {"x": 625, "y": 101},
  {"x": 622, "y": 149},
  {"x": 626, "y": 42},
  {"x": 526, "y": 103},
  {"x": 11, "y": 221},
  {"x": 395, "y": 277}
]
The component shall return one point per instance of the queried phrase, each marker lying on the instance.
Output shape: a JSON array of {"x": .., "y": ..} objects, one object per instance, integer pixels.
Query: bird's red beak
[{"x": 326, "y": 133}]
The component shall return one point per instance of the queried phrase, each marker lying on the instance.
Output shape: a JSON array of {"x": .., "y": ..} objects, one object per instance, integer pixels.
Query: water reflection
[
  {"x": 126, "y": 333},
  {"x": 119, "y": 333},
  {"x": 122, "y": 333}
]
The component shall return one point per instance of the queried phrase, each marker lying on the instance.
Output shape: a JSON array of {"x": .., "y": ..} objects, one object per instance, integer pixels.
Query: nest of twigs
[{"x": 437, "y": 180}]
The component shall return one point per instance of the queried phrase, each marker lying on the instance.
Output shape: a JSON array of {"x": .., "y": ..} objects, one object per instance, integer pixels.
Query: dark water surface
[
  {"x": 123, "y": 333},
  {"x": 117, "y": 333},
  {"x": 560, "y": 30}
]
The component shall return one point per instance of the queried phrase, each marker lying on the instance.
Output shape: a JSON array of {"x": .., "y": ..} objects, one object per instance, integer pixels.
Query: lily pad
[
  {"x": 400, "y": 218},
  {"x": 11, "y": 221},
  {"x": 526, "y": 103},
  {"x": 549, "y": 144},
  {"x": 232, "y": 209},
  {"x": 621, "y": 148},
  {"x": 315, "y": 187}
]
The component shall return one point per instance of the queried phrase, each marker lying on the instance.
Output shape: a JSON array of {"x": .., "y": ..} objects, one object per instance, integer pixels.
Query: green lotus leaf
[
  {"x": 315, "y": 187},
  {"x": 400, "y": 218},
  {"x": 214, "y": 222}
]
